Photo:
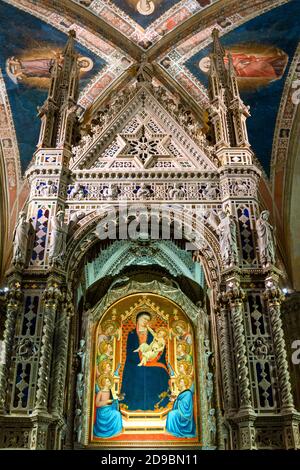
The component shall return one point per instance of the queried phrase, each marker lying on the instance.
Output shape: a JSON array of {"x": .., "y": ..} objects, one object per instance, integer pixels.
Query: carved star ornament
[{"x": 144, "y": 146}]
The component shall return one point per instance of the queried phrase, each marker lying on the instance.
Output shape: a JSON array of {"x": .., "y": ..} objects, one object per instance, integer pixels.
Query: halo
[
  {"x": 108, "y": 323},
  {"x": 187, "y": 367},
  {"x": 102, "y": 365},
  {"x": 181, "y": 323},
  {"x": 186, "y": 346},
  {"x": 102, "y": 379},
  {"x": 162, "y": 328},
  {"x": 88, "y": 66},
  {"x": 103, "y": 346},
  {"x": 187, "y": 381},
  {"x": 204, "y": 64},
  {"x": 142, "y": 311}
]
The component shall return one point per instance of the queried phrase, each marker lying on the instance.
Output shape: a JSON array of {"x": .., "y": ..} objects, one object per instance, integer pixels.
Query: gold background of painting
[{"x": 128, "y": 306}]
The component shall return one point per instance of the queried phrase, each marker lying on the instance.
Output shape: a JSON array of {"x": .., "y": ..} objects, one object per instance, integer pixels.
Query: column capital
[
  {"x": 272, "y": 292},
  {"x": 233, "y": 292}
]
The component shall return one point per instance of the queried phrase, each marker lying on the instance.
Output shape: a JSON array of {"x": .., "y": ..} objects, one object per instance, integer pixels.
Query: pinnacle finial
[
  {"x": 69, "y": 47},
  {"x": 218, "y": 49},
  {"x": 231, "y": 68}
]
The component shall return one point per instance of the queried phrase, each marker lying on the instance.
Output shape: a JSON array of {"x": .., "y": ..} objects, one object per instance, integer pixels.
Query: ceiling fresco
[
  {"x": 262, "y": 51},
  {"x": 262, "y": 36},
  {"x": 28, "y": 46},
  {"x": 145, "y": 22},
  {"x": 144, "y": 12}
]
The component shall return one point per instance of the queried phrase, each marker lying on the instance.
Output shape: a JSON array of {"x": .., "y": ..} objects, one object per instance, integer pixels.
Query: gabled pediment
[{"x": 144, "y": 132}]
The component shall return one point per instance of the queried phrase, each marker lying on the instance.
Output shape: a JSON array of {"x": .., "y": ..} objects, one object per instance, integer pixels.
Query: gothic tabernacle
[{"x": 148, "y": 285}]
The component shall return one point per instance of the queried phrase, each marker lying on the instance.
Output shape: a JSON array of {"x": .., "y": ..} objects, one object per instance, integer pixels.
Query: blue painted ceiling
[
  {"x": 273, "y": 34},
  {"x": 157, "y": 8}
]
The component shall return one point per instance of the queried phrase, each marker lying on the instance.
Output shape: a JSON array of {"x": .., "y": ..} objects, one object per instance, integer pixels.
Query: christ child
[{"x": 151, "y": 351}]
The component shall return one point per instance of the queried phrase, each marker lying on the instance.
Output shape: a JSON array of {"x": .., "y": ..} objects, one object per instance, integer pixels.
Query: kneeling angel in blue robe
[
  {"x": 108, "y": 420},
  {"x": 180, "y": 421}
]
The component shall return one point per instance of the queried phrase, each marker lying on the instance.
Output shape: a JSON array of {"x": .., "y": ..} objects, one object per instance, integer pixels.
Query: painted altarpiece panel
[{"x": 145, "y": 380}]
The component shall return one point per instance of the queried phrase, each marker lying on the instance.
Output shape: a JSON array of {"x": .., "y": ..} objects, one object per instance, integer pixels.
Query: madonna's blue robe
[
  {"x": 143, "y": 385},
  {"x": 108, "y": 421},
  {"x": 180, "y": 421}
]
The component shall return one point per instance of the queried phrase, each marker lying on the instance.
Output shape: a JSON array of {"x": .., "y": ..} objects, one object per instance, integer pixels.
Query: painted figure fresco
[
  {"x": 259, "y": 66},
  {"x": 179, "y": 329},
  {"x": 144, "y": 362},
  {"x": 252, "y": 63},
  {"x": 34, "y": 70}
]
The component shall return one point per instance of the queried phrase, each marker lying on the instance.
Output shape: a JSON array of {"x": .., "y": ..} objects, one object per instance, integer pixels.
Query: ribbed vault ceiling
[{"x": 174, "y": 35}]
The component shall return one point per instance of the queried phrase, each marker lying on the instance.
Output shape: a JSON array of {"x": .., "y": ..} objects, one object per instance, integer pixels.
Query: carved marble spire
[
  {"x": 218, "y": 55},
  {"x": 58, "y": 113},
  {"x": 228, "y": 112},
  {"x": 217, "y": 91}
]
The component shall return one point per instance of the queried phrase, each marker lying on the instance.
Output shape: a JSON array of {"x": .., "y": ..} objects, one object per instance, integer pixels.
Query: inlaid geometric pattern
[
  {"x": 246, "y": 235},
  {"x": 145, "y": 146},
  {"x": 38, "y": 252},
  {"x": 30, "y": 313}
]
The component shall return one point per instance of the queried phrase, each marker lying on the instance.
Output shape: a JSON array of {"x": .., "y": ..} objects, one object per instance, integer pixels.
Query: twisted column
[
  {"x": 14, "y": 300},
  {"x": 241, "y": 354},
  {"x": 52, "y": 296},
  {"x": 274, "y": 298},
  {"x": 234, "y": 296},
  {"x": 227, "y": 364},
  {"x": 60, "y": 360}
]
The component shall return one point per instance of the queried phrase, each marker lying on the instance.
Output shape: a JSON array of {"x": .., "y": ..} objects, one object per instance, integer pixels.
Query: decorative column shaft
[
  {"x": 69, "y": 443},
  {"x": 245, "y": 417},
  {"x": 51, "y": 298},
  {"x": 60, "y": 358},
  {"x": 235, "y": 296},
  {"x": 226, "y": 359},
  {"x": 14, "y": 300},
  {"x": 241, "y": 357},
  {"x": 274, "y": 298}
]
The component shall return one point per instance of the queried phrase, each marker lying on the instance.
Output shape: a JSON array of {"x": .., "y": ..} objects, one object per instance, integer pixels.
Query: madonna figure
[
  {"x": 108, "y": 422},
  {"x": 180, "y": 421},
  {"x": 143, "y": 384}
]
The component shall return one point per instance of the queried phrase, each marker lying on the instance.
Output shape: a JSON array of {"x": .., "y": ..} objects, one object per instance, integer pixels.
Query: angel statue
[
  {"x": 225, "y": 225},
  {"x": 266, "y": 243},
  {"x": 20, "y": 240},
  {"x": 58, "y": 238},
  {"x": 81, "y": 353},
  {"x": 228, "y": 239}
]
